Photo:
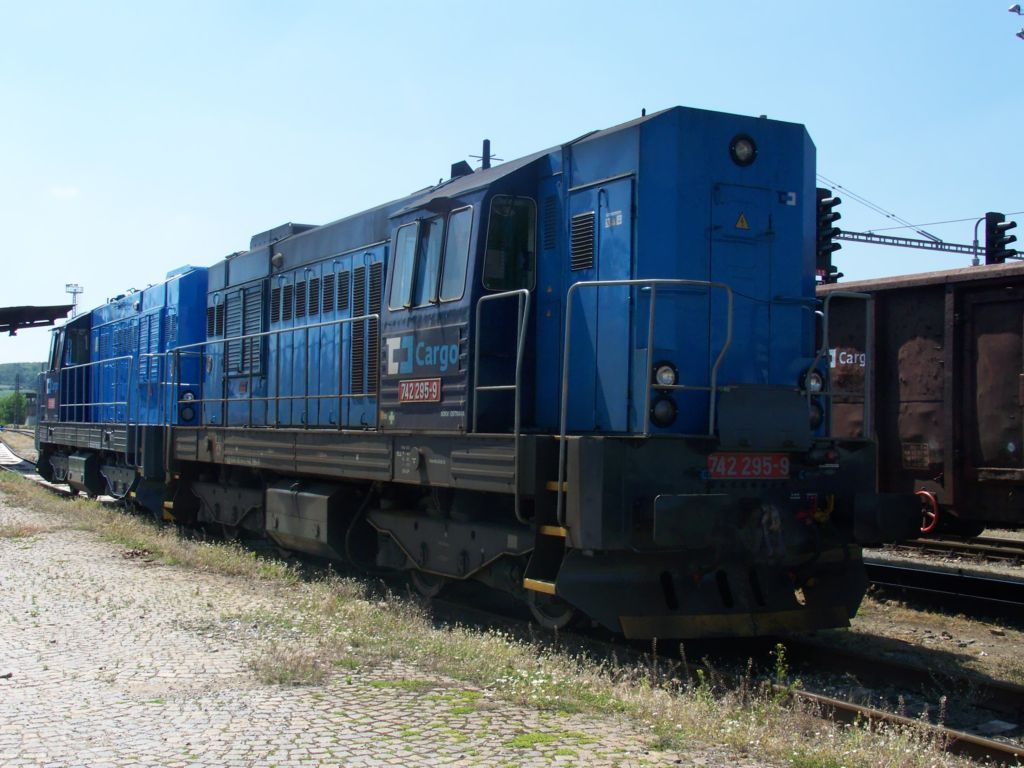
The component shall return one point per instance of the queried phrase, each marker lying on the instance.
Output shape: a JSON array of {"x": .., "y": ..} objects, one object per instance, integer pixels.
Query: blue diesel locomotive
[{"x": 589, "y": 377}]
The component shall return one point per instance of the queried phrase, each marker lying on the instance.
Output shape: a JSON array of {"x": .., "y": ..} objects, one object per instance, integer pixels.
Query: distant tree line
[{"x": 13, "y": 408}]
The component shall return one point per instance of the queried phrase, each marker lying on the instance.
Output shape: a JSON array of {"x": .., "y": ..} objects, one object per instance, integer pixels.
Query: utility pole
[{"x": 74, "y": 289}]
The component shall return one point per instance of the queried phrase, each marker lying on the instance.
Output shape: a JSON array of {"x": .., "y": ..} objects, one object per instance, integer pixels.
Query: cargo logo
[
  {"x": 405, "y": 355},
  {"x": 399, "y": 354},
  {"x": 846, "y": 357}
]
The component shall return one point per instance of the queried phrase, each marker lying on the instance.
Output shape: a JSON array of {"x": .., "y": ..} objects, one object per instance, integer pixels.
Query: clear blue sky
[{"x": 136, "y": 137}]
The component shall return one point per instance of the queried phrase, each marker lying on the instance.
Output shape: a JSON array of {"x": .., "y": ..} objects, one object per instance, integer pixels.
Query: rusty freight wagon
[{"x": 948, "y": 383}]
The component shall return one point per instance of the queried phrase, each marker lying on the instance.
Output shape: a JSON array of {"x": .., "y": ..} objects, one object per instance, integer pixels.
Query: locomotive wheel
[
  {"x": 929, "y": 511},
  {"x": 549, "y": 611},
  {"x": 427, "y": 585}
]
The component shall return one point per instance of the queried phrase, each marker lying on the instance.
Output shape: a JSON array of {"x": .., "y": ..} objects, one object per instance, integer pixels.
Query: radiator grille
[
  {"x": 234, "y": 328},
  {"x": 275, "y": 304},
  {"x": 314, "y": 296},
  {"x": 372, "y": 353},
  {"x": 252, "y": 322},
  {"x": 343, "y": 292},
  {"x": 300, "y": 299},
  {"x": 286, "y": 309},
  {"x": 582, "y": 249},
  {"x": 359, "y": 332},
  {"x": 328, "y": 293},
  {"x": 550, "y": 223}
]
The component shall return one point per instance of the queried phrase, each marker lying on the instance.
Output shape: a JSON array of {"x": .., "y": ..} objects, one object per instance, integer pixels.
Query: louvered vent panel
[
  {"x": 329, "y": 293},
  {"x": 359, "y": 332},
  {"x": 209, "y": 322},
  {"x": 372, "y": 351},
  {"x": 252, "y": 322},
  {"x": 550, "y": 223},
  {"x": 343, "y": 292},
  {"x": 286, "y": 310},
  {"x": 219, "y": 324},
  {"x": 172, "y": 330},
  {"x": 275, "y": 305},
  {"x": 582, "y": 250},
  {"x": 234, "y": 328},
  {"x": 143, "y": 349},
  {"x": 314, "y": 297},
  {"x": 153, "y": 346},
  {"x": 300, "y": 299}
]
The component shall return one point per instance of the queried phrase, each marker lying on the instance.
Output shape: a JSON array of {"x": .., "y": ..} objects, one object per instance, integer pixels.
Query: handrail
[
  {"x": 198, "y": 349},
  {"x": 523, "y": 314},
  {"x": 869, "y": 355},
  {"x": 653, "y": 284},
  {"x": 63, "y": 375}
]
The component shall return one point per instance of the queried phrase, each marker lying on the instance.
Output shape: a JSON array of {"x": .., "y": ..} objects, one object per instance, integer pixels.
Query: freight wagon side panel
[{"x": 992, "y": 361}]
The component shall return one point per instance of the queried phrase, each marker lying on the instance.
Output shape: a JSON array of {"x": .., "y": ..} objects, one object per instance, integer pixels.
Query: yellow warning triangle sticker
[{"x": 741, "y": 222}]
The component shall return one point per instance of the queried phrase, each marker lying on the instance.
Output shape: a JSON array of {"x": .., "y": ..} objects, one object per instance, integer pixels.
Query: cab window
[
  {"x": 510, "y": 258},
  {"x": 427, "y": 262},
  {"x": 405, "y": 254},
  {"x": 431, "y": 260},
  {"x": 456, "y": 255}
]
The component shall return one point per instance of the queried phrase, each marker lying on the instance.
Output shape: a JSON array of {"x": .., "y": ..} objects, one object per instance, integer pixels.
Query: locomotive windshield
[
  {"x": 510, "y": 261},
  {"x": 421, "y": 278}
]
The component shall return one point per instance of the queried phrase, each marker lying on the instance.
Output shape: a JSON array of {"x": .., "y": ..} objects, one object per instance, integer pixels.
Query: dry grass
[
  {"x": 20, "y": 530},
  {"x": 329, "y": 626}
]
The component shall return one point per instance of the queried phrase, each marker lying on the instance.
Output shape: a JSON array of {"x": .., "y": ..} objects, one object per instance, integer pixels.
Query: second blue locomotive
[{"x": 588, "y": 377}]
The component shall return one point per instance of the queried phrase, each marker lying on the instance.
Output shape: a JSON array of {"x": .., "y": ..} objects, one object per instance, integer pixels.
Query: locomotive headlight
[
  {"x": 813, "y": 382},
  {"x": 663, "y": 412},
  {"x": 188, "y": 395},
  {"x": 187, "y": 414},
  {"x": 665, "y": 375},
  {"x": 743, "y": 150},
  {"x": 817, "y": 415}
]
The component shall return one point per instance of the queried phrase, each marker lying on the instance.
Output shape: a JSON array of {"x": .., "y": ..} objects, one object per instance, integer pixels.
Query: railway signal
[
  {"x": 826, "y": 236},
  {"x": 996, "y": 238}
]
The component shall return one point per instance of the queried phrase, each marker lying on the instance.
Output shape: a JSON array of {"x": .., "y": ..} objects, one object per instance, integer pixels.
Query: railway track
[
  {"x": 972, "y": 593},
  {"x": 986, "y": 548}
]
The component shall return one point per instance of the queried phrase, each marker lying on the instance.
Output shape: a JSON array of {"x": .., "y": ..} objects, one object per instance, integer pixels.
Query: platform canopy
[{"x": 13, "y": 318}]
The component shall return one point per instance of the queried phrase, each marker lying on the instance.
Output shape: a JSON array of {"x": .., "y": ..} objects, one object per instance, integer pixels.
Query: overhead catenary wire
[
  {"x": 876, "y": 208},
  {"x": 936, "y": 223}
]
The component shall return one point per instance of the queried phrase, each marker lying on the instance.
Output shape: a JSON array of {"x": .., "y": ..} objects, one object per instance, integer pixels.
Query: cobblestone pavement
[{"x": 112, "y": 661}]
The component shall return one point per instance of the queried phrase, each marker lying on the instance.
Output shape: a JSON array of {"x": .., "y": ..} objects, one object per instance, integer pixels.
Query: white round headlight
[
  {"x": 743, "y": 150},
  {"x": 188, "y": 396},
  {"x": 665, "y": 375},
  {"x": 814, "y": 382}
]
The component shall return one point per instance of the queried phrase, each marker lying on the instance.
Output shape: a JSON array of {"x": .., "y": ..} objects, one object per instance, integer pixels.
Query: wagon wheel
[
  {"x": 550, "y": 612},
  {"x": 929, "y": 511},
  {"x": 427, "y": 585}
]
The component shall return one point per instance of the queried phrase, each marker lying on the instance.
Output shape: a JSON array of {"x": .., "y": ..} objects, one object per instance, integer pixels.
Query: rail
[
  {"x": 522, "y": 296},
  {"x": 199, "y": 350},
  {"x": 651, "y": 284},
  {"x": 828, "y": 394}
]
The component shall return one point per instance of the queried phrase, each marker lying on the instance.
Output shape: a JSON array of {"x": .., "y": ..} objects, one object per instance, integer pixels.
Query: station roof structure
[{"x": 13, "y": 318}]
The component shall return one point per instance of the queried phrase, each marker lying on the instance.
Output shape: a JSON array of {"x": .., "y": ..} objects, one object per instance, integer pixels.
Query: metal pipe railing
[
  {"x": 199, "y": 349},
  {"x": 523, "y": 314}
]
